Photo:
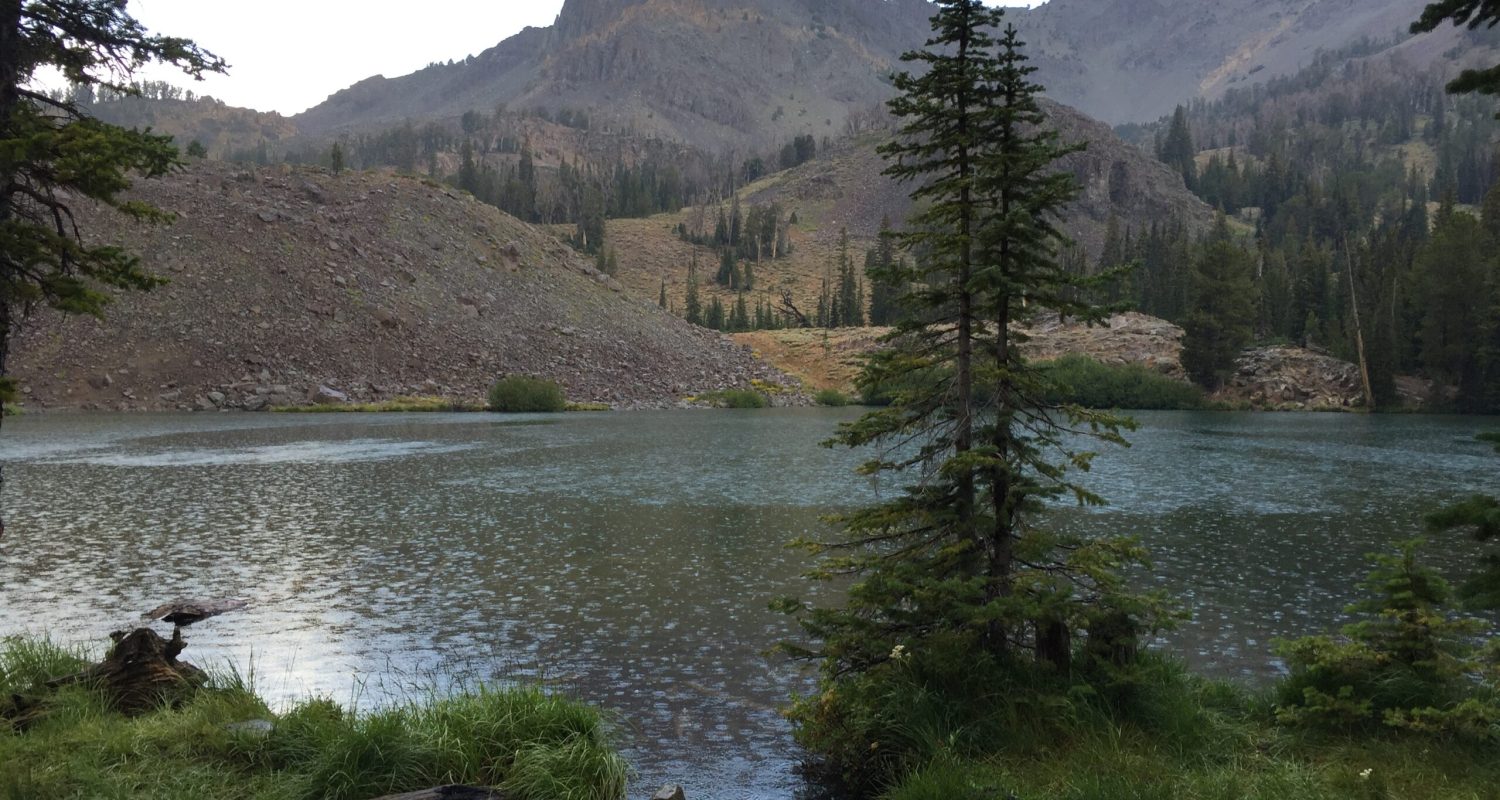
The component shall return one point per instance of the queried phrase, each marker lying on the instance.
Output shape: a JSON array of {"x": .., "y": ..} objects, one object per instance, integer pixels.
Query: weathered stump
[{"x": 141, "y": 672}]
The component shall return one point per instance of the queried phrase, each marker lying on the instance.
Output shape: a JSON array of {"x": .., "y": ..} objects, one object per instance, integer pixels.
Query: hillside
[
  {"x": 844, "y": 188},
  {"x": 283, "y": 281}
]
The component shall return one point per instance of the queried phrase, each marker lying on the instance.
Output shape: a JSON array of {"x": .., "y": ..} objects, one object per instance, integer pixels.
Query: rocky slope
[{"x": 286, "y": 281}]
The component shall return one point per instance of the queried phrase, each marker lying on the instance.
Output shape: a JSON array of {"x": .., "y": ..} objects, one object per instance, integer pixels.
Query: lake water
[{"x": 629, "y": 558}]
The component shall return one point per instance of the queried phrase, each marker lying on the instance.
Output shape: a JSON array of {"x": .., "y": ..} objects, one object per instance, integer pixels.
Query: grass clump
[
  {"x": 1083, "y": 381},
  {"x": 531, "y": 744},
  {"x": 831, "y": 397},
  {"x": 734, "y": 398},
  {"x": 519, "y": 394}
]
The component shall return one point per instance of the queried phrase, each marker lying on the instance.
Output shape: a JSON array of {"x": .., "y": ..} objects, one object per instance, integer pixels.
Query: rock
[
  {"x": 203, "y": 403},
  {"x": 253, "y": 728},
  {"x": 170, "y": 397},
  {"x": 267, "y": 216},
  {"x": 254, "y": 403},
  {"x": 324, "y": 395},
  {"x": 314, "y": 192},
  {"x": 387, "y": 319},
  {"x": 671, "y": 791},
  {"x": 102, "y": 381},
  {"x": 217, "y": 398}
]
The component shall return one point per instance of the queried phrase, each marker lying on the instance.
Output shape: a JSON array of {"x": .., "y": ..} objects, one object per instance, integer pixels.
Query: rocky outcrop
[
  {"x": 290, "y": 286},
  {"x": 1125, "y": 339},
  {"x": 1293, "y": 378}
]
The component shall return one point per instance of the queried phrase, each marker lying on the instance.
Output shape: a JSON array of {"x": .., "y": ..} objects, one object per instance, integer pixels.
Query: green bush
[
  {"x": 831, "y": 397},
  {"x": 519, "y": 394},
  {"x": 1088, "y": 383},
  {"x": 735, "y": 398}
]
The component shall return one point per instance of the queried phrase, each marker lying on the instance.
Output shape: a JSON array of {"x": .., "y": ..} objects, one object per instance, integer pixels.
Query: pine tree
[
  {"x": 1221, "y": 322},
  {"x": 1178, "y": 150},
  {"x": 880, "y": 263},
  {"x": 53, "y": 155},
  {"x": 661, "y": 300},
  {"x": 715, "y": 318},
  {"x": 335, "y": 157},
  {"x": 941, "y": 577},
  {"x": 739, "y": 319},
  {"x": 1456, "y": 271},
  {"x": 692, "y": 308},
  {"x": 851, "y": 311}
]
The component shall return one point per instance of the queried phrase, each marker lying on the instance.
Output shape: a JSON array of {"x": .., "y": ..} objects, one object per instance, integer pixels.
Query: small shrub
[
  {"x": 519, "y": 394},
  {"x": 831, "y": 397},
  {"x": 735, "y": 398}
]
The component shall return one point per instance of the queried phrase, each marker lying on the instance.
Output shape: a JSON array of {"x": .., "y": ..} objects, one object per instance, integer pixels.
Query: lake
[{"x": 628, "y": 558}]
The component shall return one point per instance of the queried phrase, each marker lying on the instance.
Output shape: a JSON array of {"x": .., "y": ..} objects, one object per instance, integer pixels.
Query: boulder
[{"x": 325, "y": 396}]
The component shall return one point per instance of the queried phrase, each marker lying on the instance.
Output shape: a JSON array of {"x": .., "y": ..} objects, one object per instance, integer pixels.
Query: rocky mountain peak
[{"x": 581, "y": 17}]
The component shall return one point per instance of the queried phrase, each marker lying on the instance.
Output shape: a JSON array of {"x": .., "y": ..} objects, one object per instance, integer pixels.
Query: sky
[{"x": 290, "y": 55}]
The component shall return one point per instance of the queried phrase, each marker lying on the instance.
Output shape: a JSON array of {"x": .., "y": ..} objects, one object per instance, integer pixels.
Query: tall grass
[
  {"x": 531, "y": 743},
  {"x": 1088, "y": 383}
]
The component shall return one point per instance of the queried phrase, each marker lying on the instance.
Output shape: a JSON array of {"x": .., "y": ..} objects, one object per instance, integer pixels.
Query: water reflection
[{"x": 629, "y": 558}]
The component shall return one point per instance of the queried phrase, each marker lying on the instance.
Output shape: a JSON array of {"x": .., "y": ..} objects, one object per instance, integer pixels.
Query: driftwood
[
  {"x": 186, "y": 612},
  {"x": 789, "y": 307},
  {"x": 141, "y": 672},
  {"x": 451, "y": 793}
]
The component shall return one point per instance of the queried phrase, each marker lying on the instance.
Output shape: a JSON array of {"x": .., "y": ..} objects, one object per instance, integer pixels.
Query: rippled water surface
[{"x": 628, "y": 558}]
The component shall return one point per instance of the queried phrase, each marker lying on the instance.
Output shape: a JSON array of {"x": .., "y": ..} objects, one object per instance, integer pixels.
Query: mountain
[
  {"x": 283, "y": 281},
  {"x": 746, "y": 74},
  {"x": 1134, "y": 60},
  {"x": 718, "y": 74}
]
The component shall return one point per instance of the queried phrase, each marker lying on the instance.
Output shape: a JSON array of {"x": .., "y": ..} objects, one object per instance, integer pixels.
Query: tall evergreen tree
[
  {"x": 1178, "y": 150},
  {"x": 880, "y": 262},
  {"x": 1457, "y": 276},
  {"x": 851, "y": 301},
  {"x": 1221, "y": 322},
  {"x": 939, "y": 569},
  {"x": 692, "y": 308}
]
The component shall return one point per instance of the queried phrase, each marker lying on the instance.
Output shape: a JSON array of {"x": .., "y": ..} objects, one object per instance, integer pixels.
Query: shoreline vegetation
[{"x": 223, "y": 741}]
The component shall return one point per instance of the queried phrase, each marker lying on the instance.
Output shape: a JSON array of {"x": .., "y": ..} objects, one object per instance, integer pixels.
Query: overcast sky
[{"x": 288, "y": 56}]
